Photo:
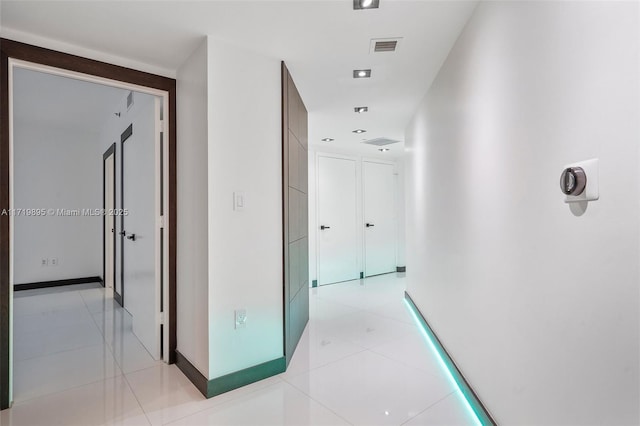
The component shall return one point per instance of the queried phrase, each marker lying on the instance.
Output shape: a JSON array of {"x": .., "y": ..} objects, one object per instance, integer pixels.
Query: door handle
[
  {"x": 323, "y": 227},
  {"x": 123, "y": 233},
  {"x": 131, "y": 237},
  {"x": 369, "y": 225}
]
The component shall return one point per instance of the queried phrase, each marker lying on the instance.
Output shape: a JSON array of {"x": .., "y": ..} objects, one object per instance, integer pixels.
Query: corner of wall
[
  {"x": 192, "y": 218},
  {"x": 244, "y": 246}
]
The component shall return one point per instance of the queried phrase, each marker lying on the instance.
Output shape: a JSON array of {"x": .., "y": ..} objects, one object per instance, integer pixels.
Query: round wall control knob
[{"x": 573, "y": 180}]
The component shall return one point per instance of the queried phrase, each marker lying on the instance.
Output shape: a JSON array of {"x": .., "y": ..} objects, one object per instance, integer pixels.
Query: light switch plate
[
  {"x": 591, "y": 190},
  {"x": 238, "y": 201}
]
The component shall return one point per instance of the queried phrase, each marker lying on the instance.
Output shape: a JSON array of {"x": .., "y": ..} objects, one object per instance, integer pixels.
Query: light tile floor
[{"x": 361, "y": 361}]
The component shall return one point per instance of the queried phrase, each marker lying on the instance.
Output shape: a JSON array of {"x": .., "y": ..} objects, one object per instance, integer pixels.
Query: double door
[{"x": 354, "y": 224}]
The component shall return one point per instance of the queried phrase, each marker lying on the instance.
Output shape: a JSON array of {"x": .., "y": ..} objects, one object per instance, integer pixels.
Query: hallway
[{"x": 361, "y": 361}]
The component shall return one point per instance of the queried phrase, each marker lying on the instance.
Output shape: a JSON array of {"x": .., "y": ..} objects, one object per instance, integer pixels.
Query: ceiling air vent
[
  {"x": 380, "y": 141},
  {"x": 379, "y": 45}
]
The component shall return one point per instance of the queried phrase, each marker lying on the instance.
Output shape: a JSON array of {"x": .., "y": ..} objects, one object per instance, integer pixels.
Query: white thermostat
[{"x": 579, "y": 181}]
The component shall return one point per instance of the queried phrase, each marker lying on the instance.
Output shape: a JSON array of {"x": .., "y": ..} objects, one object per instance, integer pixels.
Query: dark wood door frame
[
  {"x": 108, "y": 153},
  {"x": 10, "y": 49},
  {"x": 123, "y": 138}
]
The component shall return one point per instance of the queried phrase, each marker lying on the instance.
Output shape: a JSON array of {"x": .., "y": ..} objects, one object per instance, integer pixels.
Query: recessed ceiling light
[
  {"x": 365, "y": 4},
  {"x": 361, "y": 73},
  {"x": 327, "y": 140},
  {"x": 383, "y": 149},
  {"x": 361, "y": 109},
  {"x": 359, "y": 131}
]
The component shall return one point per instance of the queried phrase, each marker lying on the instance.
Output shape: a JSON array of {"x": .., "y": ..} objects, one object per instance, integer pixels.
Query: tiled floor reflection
[{"x": 361, "y": 361}]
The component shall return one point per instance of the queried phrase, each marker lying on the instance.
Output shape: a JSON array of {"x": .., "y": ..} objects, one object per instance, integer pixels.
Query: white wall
[
  {"x": 538, "y": 306},
  {"x": 192, "y": 204},
  {"x": 313, "y": 214},
  {"x": 401, "y": 258},
  {"x": 48, "y": 162},
  {"x": 313, "y": 204},
  {"x": 245, "y": 247}
]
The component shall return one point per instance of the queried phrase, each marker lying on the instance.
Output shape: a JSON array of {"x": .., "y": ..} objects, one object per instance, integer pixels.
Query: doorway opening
[{"x": 142, "y": 261}]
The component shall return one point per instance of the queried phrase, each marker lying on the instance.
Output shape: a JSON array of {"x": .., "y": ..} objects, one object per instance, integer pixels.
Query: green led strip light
[{"x": 472, "y": 403}]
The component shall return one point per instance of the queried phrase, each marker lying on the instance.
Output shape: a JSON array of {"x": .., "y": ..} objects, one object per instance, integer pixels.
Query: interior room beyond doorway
[{"x": 63, "y": 128}]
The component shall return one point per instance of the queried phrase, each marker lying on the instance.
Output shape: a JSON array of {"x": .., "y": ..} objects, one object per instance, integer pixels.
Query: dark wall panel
[{"x": 295, "y": 213}]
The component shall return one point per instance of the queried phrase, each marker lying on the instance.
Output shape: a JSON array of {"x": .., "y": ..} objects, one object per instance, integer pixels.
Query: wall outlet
[
  {"x": 241, "y": 318},
  {"x": 54, "y": 261},
  {"x": 44, "y": 262}
]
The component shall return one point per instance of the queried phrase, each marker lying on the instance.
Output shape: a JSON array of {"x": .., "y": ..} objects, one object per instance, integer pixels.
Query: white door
[
  {"x": 139, "y": 280},
  {"x": 379, "y": 218},
  {"x": 109, "y": 231},
  {"x": 337, "y": 224}
]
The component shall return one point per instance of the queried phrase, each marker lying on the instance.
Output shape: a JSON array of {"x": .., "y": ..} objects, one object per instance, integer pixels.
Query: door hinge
[
  {"x": 162, "y": 129},
  {"x": 161, "y": 221},
  {"x": 161, "y": 317}
]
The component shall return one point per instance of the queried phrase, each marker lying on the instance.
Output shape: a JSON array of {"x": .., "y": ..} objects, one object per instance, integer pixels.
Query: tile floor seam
[
  {"x": 337, "y": 303},
  {"x": 355, "y": 342},
  {"x": 409, "y": 322},
  {"x": 222, "y": 403},
  {"x": 15, "y": 361},
  {"x": 112, "y": 348},
  {"x": 15, "y": 403},
  {"x": 387, "y": 358},
  {"x": 104, "y": 337},
  {"x": 75, "y": 349},
  {"x": 404, "y": 362},
  {"x": 93, "y": 320},
  {"x": 54, "y": 311},
  {"x": 429, "y": 407},
  {"x": 126, "y": 379},
  {"x": 393, "y": 320},
  {"x": 50, "y": 330},
  {"x": 144, "y": 368},
  {"x": 346, "y": 305},
  {"x": 320, "y": 403},
  {"x": 392, "y": 360},
  {"x": 390, "y": 318},
  {"x": 358, "y": 309},
  {"x": 325, "y": 365}
]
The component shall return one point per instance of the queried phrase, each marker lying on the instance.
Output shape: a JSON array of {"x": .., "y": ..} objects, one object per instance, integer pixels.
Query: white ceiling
[
  {"x": 61, "y": 102},
  {"x": 321, "y": 41}
]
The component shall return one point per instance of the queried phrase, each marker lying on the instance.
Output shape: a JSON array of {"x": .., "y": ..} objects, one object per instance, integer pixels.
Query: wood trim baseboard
[
  {"x": 56, "y": 283},
  {"x": 192, "y": 373},
  {"x": 231, "y": 381},
  {"x": 245, "y": 377}
]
